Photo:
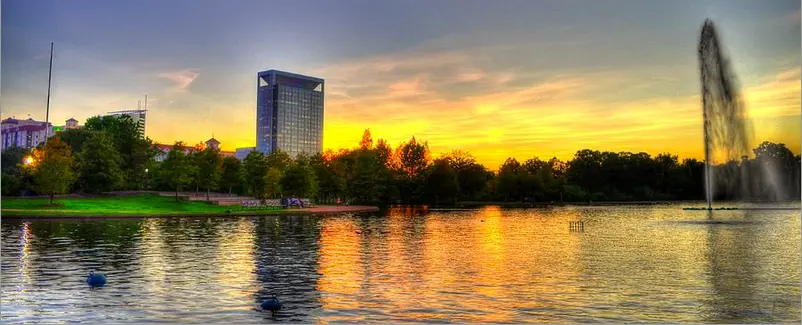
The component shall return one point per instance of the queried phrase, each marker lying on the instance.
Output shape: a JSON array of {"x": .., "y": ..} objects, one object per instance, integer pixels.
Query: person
[{"x": 338, "y": 201}]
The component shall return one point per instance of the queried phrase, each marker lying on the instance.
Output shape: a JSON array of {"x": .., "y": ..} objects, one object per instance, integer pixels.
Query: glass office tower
[{"x": 289, "y": 113}]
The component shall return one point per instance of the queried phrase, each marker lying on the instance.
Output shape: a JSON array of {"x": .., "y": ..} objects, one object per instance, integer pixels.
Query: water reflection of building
[{"x": 286, "y": 255}]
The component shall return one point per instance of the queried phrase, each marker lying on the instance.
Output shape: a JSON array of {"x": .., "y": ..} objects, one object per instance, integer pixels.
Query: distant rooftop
[
  {"x": 129, "y": 111},
  {"x": 289, "y": 74}
]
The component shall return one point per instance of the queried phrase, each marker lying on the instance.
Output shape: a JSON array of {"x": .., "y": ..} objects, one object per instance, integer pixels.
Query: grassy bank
[{"x": 139, "y": 205}]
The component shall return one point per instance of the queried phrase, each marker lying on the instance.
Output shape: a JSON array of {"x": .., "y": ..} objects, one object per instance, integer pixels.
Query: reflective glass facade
[{"x": 289, "y": 113}]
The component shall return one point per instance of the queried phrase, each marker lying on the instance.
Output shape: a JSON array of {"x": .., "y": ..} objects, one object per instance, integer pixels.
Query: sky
[{"x": 514, "y": 78}]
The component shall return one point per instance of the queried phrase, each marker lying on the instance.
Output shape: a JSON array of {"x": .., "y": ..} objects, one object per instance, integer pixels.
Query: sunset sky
[{"x": 496, "y": 78}]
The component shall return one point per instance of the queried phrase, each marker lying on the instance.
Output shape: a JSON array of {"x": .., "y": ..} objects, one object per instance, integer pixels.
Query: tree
[
  {"x": 210, "y": 165},
  {"x": 52, "y": 168},
  {"x": 75, "y": 138},
  {"x": 329, "y": 175},
  {"x": 256, "y": 168},
  {"x": 176, "y": 170},
  {"x": 367, "y": 141},
  {"x": 413, "y": 159},
  {"x": 299, "y": 179},
  {"x": 195, "y": 158},
  {"x": 472, "y": 176},
  {"x": 99, "y": 164},
  {"x": 509, "y": 182},
  {"x": 772, "y": 161},
  {"x": 278, "y": 159},
  {"x": 137, "y": 152},
  {"x": 272, "y": 183},
  {"x": 13, "y": 178},
  {"x": 231, "y": 174},
  {"x": 441, "y": 182},
  {"x": 363, "y": 183}
]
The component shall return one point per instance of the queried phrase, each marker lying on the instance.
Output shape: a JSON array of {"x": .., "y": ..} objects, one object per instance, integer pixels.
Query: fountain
[{"x": 727, "y": 131}]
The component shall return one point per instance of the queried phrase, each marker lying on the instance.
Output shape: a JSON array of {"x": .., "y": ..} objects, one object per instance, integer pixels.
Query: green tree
[
  {"x": 13, "y": 178},
  {"x": 52, "y": 168},
  {"x": 413, "y": 159},
  {"x": 75, "y": 138},
  {"x": 329, "y": 174},
  {"x": 299, "y": 179},
  {"x": 210, "y": 167},
  {"x": 99, "y": 165},
  {"x": 256, "y": 168},
  {"x": 363, "y": 178},
  {"x": 232, "y": 174},
  {"x": 272, "y": 183},
  {"x": 137, "y": 152},
  {"x": 509, "y": 183},
  {"x": 176, "y": 170},
  {"x": 278, "y": 159},
  {"x": 442, "y": 184},
  {"x": 472, "y": 176}
]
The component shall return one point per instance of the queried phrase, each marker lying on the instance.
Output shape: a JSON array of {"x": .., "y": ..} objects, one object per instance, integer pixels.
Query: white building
[
  {"x": 137, "y": 115},
  {"x": 24, "y": 133}
]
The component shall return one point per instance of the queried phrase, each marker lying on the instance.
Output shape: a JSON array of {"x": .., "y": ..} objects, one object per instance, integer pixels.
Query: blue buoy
[
  {"x": 272, "y": 304},
  {"x": 96, "y": 280}
]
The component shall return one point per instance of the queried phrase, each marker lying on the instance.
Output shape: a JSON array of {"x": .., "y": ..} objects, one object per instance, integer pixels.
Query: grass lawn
[{"x": 141, "y": 205}]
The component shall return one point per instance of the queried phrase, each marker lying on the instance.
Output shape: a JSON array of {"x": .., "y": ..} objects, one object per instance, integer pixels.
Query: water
[{"x": 631, "y": 264}]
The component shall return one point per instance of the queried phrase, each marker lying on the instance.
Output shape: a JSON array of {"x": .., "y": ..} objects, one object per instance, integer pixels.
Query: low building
[
  {"x": 213, "y": 143},
  {"x": 71, "y": 124},
  {"x": 24, "y": 133},
  {"x": 164, "y": 150}
]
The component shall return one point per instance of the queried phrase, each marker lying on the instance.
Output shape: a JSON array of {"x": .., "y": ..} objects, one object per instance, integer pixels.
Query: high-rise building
[
  {"x": 289, "y": 113},
  {"x": 241, "y": 153},
  {"x": 137, "y": 115}
]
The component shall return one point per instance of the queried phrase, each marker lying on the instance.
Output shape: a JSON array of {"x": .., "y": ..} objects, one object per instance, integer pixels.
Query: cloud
[
  {"x": 466, "y": 77},
  {"x": 181, "y": 79},
  {"x": 778, "y": 96},
  {"x": 794, "y": 17}
]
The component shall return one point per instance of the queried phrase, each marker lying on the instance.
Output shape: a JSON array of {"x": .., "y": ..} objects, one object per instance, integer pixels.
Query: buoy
[
  {"x": 272, "y": 304},
  {"x": 96, "y": 280}
]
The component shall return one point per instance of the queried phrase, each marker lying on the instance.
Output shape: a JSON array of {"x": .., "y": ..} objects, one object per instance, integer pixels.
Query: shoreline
[{"x": 313, "y": 211}]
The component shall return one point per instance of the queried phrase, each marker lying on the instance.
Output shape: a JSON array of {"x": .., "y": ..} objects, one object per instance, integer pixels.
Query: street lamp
[{"x": 28, "y": 160}]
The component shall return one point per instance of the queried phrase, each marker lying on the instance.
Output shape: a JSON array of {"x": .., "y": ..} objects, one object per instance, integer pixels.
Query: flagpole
[{"x": 49, "y": 79}]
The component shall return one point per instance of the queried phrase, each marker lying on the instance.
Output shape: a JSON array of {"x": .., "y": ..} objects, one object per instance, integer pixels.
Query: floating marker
[
  {"x": 272, "y": 304},
  {"x": 576, "y": 226},
  {"x": 96, "y": 280}
]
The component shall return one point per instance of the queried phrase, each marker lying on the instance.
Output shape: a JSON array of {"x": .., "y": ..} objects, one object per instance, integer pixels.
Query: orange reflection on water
[
  {"x": 339, "y": 263},
  {"x": 236, "y": 260},
  {"x": 460, "y": 267},
  {"x": 153, "y": 259}
]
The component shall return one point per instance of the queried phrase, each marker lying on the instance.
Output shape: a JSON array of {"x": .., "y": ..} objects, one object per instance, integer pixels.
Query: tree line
[{"x": 108, "y": 154}]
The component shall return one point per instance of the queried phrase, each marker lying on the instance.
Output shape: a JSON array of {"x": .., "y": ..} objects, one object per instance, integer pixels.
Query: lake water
[{"x": 629, "y": 264}]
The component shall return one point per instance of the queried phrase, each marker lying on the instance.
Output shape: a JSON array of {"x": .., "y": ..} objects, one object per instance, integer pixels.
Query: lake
[{"x": 625, "y": 264}]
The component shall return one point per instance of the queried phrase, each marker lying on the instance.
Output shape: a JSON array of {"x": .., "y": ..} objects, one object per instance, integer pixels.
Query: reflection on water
[{"x": 631, "y": 264}]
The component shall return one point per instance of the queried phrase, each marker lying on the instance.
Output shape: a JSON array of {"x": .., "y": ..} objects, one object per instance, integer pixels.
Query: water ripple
[{"x": 640, "y": 265}]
